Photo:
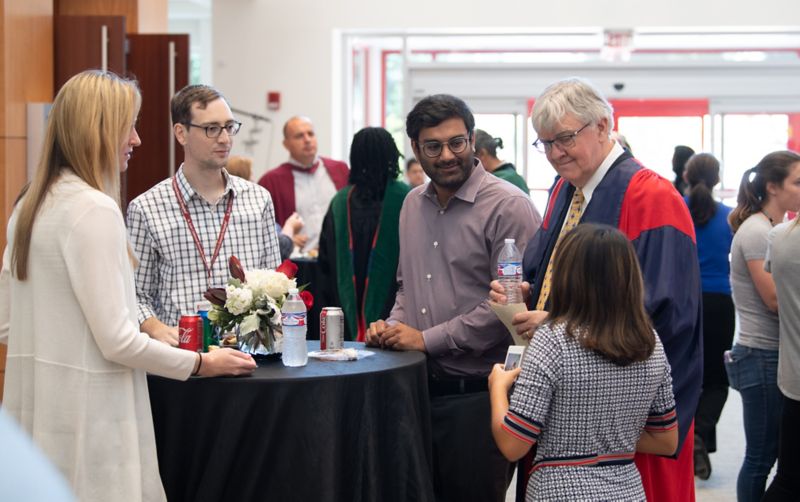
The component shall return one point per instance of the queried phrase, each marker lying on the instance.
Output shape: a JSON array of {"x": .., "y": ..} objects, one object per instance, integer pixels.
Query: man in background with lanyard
[{"x": 184, "y": 229}]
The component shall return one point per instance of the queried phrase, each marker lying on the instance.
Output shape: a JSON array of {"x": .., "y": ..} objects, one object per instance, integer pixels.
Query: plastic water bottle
[
  {"x": 509, "y": 271},
  {"x": 293, "y": 319}
]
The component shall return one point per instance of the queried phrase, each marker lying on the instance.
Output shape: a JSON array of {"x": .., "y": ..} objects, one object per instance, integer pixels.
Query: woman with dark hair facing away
[
  {"x": 486, "y": 150},
  {"x": 75, "y": 378},
  {"x": 595, "y": 384},
  {"x": 679, "y": 158},
  {"x": 784, "y": 262},
  {"x": 766, "y": 193},
  {"x": 714, "y": 238},
  {"x": 359, "y": 243}
]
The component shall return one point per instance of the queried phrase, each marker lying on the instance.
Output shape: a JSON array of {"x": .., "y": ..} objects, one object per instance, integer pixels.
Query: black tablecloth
[{"x": 329, "y": 431}]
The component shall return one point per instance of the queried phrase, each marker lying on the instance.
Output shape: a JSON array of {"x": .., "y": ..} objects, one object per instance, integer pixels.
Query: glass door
[
  {"x": 653, "y": 127},
  {"x": 746, "y": 139}
]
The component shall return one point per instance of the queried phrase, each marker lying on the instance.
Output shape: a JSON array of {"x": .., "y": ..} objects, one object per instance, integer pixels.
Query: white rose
[
  {"x": 257, "y": 281},
  {"x": 274, "y": 284},
  {"x": 240, "y": 300}
]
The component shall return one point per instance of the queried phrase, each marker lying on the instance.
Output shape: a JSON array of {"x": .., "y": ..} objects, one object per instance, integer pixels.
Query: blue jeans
[{"x": 754, "y": 373}]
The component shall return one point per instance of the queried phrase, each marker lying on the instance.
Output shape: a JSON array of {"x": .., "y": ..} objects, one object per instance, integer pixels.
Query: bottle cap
[{"x": 510, "y": 241}]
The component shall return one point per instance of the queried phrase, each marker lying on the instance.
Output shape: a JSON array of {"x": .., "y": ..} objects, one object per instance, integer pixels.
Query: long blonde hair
[{"x": 91, "y": 115}]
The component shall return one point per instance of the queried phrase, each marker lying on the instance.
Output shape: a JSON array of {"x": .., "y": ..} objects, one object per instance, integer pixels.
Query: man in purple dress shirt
[{"x": 451, "y": 233}]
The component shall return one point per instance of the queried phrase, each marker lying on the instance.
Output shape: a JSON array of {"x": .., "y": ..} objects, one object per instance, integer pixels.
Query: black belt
[{"x": 449, "y": 386}]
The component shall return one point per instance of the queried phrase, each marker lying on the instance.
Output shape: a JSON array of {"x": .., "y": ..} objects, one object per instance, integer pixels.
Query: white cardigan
[{"x": 75, "y": 375}]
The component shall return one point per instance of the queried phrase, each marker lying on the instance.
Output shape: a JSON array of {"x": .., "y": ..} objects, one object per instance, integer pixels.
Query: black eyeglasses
[
  {"x": 564, "y": 140},
  {"x": 433, "y": 149},
  {"x": 214, "y": 130}
]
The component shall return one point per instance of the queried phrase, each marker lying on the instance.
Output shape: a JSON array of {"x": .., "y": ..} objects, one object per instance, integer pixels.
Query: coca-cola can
[
  {"x": 190, "y": 333},
  {"x": 331, "y": 328}
]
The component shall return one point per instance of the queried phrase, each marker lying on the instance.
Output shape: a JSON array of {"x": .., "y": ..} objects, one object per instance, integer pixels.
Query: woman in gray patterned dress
[{"x": 595, "y": 385}]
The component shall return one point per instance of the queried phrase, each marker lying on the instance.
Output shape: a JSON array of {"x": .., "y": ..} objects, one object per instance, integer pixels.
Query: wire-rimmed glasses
[
  {"x": 563, "y": 141},
  {"x": 433, "y": 149}
]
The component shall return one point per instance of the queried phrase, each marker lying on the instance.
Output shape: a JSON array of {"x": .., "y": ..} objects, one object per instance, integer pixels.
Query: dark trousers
[
  {"x": 719, "y": 318},
  {"x": 786, "y": 484},
  {"x": 466, "y": 462}
]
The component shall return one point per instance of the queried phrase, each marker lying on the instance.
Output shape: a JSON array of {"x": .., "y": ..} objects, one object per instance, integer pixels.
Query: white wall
[{"x": 288, "y": 46}]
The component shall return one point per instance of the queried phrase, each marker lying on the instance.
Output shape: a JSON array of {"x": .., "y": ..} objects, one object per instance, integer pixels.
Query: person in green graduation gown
[{"x": 359, "y": 243}]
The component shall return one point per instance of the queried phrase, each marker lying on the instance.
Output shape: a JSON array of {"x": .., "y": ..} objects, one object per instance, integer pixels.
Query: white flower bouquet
[{"x": 251, "y": 304}]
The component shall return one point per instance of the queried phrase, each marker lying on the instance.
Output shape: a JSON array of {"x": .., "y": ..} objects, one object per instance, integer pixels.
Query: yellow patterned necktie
[{"x": 573, "y": 217}]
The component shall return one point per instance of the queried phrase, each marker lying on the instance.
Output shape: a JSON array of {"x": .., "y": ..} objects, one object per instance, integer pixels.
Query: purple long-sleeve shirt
[{"x": 448, "y": 257}]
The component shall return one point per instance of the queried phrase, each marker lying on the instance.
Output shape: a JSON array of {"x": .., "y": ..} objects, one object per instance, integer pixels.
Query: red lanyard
[{"x": 197, "y": 243}]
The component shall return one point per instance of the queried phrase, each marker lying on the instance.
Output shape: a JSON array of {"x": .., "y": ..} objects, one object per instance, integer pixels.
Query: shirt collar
[
  {"x": 467, "y": 191},
  {"x": 187, "y": 192},
  {"x": 598, "y": 175},
  {"x": 297, "y": 163}
]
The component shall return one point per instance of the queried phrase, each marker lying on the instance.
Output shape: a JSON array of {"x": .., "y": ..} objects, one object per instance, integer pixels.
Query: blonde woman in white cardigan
[{"x": 75, "y": 374}]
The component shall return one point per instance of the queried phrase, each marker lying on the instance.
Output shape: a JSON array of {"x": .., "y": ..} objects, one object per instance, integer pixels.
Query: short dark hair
[
  {"x": 181, "y": 104},
  {"x": 374, "y": 160},
  {"x": 679, "y": 158},
  {"x": 433, "y": 110},
  {"x": 597, "y": 290},
  {"x": 681, "y": 154}
]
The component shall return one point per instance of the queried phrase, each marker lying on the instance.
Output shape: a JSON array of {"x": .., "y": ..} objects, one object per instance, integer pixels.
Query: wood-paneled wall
[
  {"x": 141, "y": 16},
  {"x": 26, "y": 75}
]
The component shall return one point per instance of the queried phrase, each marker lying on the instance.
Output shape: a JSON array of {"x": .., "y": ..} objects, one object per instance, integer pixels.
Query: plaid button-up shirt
[{"x": 171, "y": 277}]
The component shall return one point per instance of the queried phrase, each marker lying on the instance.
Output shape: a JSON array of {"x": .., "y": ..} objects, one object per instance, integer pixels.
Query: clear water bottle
[
  {"x": 293, "y": 319},
  {"x": 509, "y": 271}
]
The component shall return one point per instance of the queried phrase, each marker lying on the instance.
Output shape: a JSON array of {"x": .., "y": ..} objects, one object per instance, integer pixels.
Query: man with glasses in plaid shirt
[{"x": 184, "y": 229}]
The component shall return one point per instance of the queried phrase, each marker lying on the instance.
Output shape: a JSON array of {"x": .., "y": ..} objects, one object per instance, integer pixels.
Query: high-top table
[{"x": 329, "y": 431}]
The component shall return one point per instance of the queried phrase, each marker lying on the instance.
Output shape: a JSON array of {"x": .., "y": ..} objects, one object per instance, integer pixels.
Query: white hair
[{"x": 573, "y": 96}]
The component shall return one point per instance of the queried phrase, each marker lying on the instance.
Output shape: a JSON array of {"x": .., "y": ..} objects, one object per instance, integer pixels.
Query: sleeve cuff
[
  {"x": 144, "y": 313},
  {"x": 522, "y": 429},
  {"x": 435, "y": 340},
  {"x": 661, "y": 422}
]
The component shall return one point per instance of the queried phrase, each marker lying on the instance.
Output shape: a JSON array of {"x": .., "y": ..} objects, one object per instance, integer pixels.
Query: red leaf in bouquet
[
  {"x": 216, "y": 296},
  {"x": 308, "y": 299},
  {"x": 288, "y": 268},
  {"x": 235, "y": 268}
]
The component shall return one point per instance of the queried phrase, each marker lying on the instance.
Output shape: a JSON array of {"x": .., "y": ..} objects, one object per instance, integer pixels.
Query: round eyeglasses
[
  {"x": 214, "y": 130},
  {"x": 563, "y": 141},
  {"x": 433, "y": 149}
]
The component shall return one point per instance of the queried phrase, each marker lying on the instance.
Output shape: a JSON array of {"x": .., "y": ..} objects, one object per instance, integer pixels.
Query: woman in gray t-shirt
[
  {"x": 766, "y": 193},
  {"x": 784, "y": 262}
]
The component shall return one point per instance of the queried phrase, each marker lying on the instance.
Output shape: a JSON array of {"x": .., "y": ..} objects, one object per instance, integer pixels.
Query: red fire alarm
[{"x": 273, "y": 101}]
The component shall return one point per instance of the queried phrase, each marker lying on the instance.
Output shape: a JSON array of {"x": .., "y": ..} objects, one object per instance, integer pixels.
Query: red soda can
[
  {"x": 331, "y": 328},
  {"x": 190, "y": 333}
]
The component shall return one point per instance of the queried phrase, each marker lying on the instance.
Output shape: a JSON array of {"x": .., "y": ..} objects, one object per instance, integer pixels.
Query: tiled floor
[{"x": 725, "y": 463}]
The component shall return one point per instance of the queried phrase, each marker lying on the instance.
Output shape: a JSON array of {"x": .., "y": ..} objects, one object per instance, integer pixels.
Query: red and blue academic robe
[
  {"x": 280, "y": 184},
  {"x": 648, "y": 209}
]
